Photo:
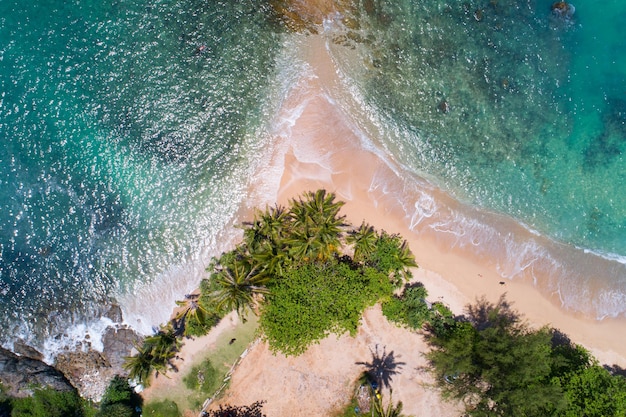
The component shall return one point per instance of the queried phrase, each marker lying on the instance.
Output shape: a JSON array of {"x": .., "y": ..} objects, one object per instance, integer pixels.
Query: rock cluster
[{"x": 19, "y": 374}]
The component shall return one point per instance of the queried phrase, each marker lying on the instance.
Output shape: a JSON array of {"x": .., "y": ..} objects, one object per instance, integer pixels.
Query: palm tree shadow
[{"x": 382, "y": 368}]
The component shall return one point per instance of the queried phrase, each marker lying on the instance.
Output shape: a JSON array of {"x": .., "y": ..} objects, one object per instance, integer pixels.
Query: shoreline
[
  {"x": 320, "y": 148},
  {"x": 354, "y": 174}
]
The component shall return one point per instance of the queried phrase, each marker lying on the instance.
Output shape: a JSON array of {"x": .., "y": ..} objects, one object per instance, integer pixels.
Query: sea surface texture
[{"x": 129, "y": 132}]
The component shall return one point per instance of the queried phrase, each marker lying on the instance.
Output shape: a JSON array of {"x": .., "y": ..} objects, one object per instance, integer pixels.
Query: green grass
[
  {"x": 189, "y": 394},
  {"x": 163, "y": 408}
]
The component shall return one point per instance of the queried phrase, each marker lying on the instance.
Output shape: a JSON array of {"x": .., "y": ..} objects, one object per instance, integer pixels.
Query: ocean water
[
  {"x": 130, "y": 131},
  {"x": 127, "y": 130},
  {"x": 512, "y": 111}
]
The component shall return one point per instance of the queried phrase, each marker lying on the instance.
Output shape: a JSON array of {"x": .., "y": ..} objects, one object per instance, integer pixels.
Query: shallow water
[{"x": 130, "y": 133}]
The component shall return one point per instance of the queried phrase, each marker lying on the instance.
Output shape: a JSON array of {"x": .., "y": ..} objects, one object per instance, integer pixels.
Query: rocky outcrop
[
  {"x": 90, "y": 372},
  {"x": 20, "y": 375},
  {"x": 118, "y": 343}
]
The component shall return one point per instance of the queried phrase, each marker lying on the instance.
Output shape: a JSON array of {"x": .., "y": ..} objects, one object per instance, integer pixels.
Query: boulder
[{"x": 20, "y": 375}]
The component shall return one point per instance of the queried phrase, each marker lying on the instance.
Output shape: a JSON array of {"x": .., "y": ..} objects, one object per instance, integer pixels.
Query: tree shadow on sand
[{"x": 383, "y": 367}]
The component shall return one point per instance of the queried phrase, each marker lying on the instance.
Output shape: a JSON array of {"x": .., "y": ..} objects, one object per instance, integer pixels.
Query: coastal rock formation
[
  {"x": 21, "y": 374},
  {"x": 91, "y": 371},
  {"x": 88, "y": 371},
  {"x": 118, "y": 343}
]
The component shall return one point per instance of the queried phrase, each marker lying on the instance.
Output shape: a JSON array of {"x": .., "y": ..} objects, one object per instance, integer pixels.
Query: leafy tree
[
  {"x": 316, "y": 299},
  {"x": 392, "y": 255},
  {"x": 593, "y": 392},
  {"x": 410, "y": 309},
  {"x": 49, "y": 403},
  {"x": 496, "y": 364},
  {"x": 119, "y": 399},
  {"x": 253, "y": 410}
]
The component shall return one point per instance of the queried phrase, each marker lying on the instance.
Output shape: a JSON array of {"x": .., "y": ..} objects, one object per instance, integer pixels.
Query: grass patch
[
  {"x": 204, "y": 377},
  {"x": 163, "y": 408}
]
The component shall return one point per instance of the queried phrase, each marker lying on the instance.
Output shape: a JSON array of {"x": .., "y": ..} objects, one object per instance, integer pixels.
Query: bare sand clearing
[
  {"x": 321, "y": 381},
  {"x": 321, "y": 149}
]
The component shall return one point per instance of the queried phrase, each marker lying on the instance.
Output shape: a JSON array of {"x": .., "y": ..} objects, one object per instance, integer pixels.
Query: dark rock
[
  {"x": 118, "y": 343},
  {"x": 443, "y": 106},
  {"x": 114, "y": 313},
  {"x": 21, "y": 348},
  {"x": 20, "y": 375},
  {"x": 563, "y": 10},
  {"x": 91, "y": 371}
]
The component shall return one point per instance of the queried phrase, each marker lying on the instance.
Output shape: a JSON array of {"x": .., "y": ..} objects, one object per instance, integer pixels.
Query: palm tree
[
  {"x": 267, "y": 227},
  {"x": 406, "y": 258},
  {"x": 316, "y": 225},
  {"x": 139, "y": 366},
  {"x": 240, "y": 285},
  {"x": 155, "y": 353},
  {"x": 363, "y": 240},
  {"x": 379, "y": 410},
  {"x": 163, "y": 347},
  {"x": 191, "y": 311}
]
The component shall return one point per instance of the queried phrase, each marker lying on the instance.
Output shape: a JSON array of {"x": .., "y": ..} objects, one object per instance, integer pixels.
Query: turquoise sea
[{"x": 130, "y": 130}]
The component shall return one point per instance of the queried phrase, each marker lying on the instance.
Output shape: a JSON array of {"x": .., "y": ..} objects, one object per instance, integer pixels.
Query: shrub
[
  {"x": 119, "y": 400},
  {"x": 410, "y": 309},
  {"x": 316, "y": 299}
]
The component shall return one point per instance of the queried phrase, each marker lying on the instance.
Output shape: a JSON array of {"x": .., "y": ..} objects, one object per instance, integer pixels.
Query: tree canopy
[{"x": 493, "y": 361}]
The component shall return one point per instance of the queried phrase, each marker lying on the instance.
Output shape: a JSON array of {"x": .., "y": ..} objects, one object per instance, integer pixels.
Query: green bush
[
  {"x": 593, "y": 392},
  {"x": 164, "y": 408},
  {"x": 316, "y": 299},
  {"x": 119, "y": 400},
  {"x": 410, "y": 309}
]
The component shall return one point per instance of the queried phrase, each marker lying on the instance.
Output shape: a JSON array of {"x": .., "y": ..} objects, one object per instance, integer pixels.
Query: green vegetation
[
  {"x": 307, "y": 273},
  {"x": 368, "y": 401},
  {"x": 410, "y": 308},
  {"x": 48, "y": 403},
  {"x": 293, "y": 266},
  {"x": 204, "y": 377},
  {"x": 315, "y": 299},
  {"x": 119, "y": 400},
  {"x": 164, "y": 408},
  {"x": 498, "y": 366},
  {"x": 155, "y": 354}
]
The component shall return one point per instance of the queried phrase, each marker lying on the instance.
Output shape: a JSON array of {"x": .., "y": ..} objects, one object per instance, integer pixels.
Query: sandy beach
[{"x": 322, "y": 149}]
